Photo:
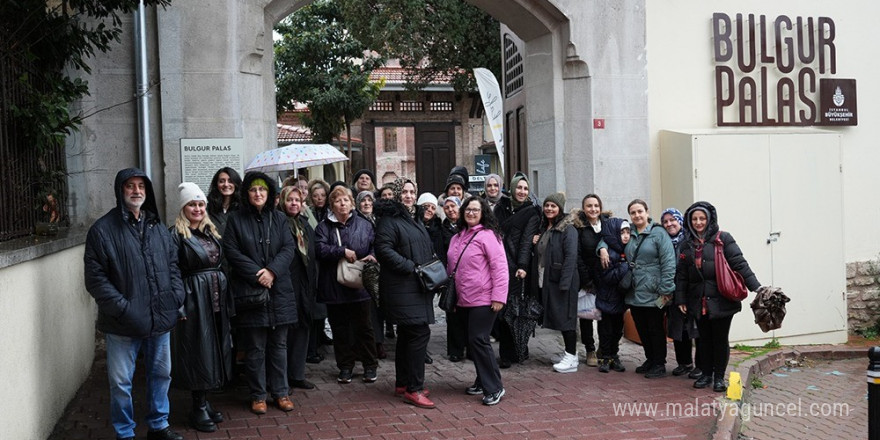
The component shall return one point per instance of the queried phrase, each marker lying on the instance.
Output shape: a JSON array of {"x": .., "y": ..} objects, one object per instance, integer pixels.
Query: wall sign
[
  {"x": 837, "y": 102},
  {"x": 201, "y": 158},
  {"x": 767, "y": 70}
]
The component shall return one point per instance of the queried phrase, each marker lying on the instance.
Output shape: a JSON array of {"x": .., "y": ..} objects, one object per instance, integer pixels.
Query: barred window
[
  {"x": 382, "y": 106},
  {"x": 412, "y": 106},
  {"x": 513, "y": 67},
  {"x": 441, "y": 106}
]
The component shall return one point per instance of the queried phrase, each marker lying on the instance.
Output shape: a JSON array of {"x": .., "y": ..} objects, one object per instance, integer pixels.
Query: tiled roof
[
  {"x": 397, "y": 75},
  {"x": 288, "y": 134}
]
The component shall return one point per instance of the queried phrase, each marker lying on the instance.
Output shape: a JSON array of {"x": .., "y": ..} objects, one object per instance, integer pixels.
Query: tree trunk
[{"x": 348, "y": 133}]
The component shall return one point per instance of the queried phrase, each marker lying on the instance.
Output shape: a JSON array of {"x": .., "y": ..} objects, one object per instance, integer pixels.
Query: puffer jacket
[
  {"x": 692, "y": 285},
  {"x": 356, "y": 234},
  {"x": 133, "y": 277},
  {"x": 481, "y": 274},
  {"x": 561, "y": 279},
  {"x": 652, "y": 259},
  {"x": 401, "y": 244},
  {"x": 250, "y": 235}
]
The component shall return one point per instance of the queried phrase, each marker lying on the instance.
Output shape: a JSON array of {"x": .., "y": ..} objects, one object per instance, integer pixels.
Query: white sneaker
[
  {"x": 557, "y": 358},
  {"x": 568, "y": 364}
]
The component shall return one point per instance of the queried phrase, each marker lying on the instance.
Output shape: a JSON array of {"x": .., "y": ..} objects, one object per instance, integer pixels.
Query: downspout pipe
[{"x": 143, "y": 87}]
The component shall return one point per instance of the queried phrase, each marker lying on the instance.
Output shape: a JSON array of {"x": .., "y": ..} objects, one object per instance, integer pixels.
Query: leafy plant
[
  {"x": 870, "y": 332},
  {"x": 756, "y": 382},
  {"x": 773, "y": 344}
]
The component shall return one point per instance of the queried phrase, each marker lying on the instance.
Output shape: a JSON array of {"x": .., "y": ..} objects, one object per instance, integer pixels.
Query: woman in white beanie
[{"x": 201, "y": 348}]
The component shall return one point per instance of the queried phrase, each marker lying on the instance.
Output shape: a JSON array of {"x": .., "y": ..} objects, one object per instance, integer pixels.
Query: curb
[{"x": 727, "y": 427}]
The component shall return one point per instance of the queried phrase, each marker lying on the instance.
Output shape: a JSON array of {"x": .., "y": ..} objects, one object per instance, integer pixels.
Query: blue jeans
[{"x": 122, "y": 353}]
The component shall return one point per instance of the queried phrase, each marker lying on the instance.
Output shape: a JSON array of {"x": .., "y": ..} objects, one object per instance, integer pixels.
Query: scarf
[{"x": 677, "y": 215}]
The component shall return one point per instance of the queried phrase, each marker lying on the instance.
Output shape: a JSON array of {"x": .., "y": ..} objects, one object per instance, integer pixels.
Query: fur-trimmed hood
[{"x": 246, "y": 184}]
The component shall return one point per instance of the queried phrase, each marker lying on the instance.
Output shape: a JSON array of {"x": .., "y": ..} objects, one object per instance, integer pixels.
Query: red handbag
[{"x": 730, "y": 283}]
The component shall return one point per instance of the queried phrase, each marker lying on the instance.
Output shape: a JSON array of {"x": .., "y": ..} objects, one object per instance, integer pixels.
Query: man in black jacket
[{"x": 131, "y": 271}]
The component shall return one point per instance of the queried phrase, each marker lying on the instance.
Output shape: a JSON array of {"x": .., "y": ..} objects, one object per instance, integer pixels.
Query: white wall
[
  {"x": 682, "y": 95},
  {"x": 48, "y": 341}
]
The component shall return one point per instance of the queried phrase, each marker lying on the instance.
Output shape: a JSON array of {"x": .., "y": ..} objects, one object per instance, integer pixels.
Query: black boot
[
  {"x": 216, "y": 416},
  {"x": 199, "y": 418}
]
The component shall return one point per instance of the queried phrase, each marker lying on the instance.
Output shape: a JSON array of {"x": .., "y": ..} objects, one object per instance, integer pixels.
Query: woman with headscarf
[
  {"x": 259, "y": 249},
  {"x": 679, "y": 327},
  {"x": 696, "y": 291},
  {"x": 456, "y": 324},
  {"x": 492, "y": 192},
  {"x": 223, "y": 197},
  {"x": 364, "y": 202},
  {"x": 402, "y": 244},
  {"x": 304, "y": 273},
  {"x": 652, "y": 261},
  {"x": 201, "y": 345},
  {"x": 481, "y": 283},
  {"x": 518, "y": 220},
  {"x": 556, "y": 277},
  {"x": 346, "y": 235}
]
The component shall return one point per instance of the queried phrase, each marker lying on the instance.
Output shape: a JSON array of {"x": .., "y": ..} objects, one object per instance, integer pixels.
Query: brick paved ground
[
  {"x": 817, "y": 399},
  {"x": 539, "y": 404}
]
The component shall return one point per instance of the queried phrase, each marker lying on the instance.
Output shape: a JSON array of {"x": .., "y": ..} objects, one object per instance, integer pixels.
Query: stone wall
[{"x": 863, "y": 294}]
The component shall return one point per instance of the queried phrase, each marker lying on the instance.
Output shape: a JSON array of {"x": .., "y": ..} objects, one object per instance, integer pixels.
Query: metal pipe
[{"x": 143, "y": 87}]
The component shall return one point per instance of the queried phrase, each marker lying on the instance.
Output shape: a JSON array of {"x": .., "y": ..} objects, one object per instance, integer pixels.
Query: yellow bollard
[{"x": 735, "y": 390}]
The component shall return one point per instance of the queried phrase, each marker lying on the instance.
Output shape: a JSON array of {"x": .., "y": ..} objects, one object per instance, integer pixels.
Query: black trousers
[
  {"x": 353, "y": 338},
  {"x": 265, "y": 362},
  {"x": 456, "y": 333},
  {"x": 649, "y": 325},
  {"x": 479, "y": 324},
  {"x": 587, "y": 333},
  {"x": 297, "y": 350},
  {"x": 610, "y": 330},
  {"x": 409, "y": 361},
  {"x": 713, "y": 345}
]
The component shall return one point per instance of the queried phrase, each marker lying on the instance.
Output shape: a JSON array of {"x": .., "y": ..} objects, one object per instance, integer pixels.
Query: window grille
[
  {"x": 412, "y": 106},
  {"x": 513, "y": 67},
  {"x": 441, "y": 106}
]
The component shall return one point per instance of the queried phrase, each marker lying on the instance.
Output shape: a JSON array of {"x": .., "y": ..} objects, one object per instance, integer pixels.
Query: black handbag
[
  {"x": 432, "y": 275},
  {"x": 449, "y": 296},
  {"x": 246, "y": 296}
]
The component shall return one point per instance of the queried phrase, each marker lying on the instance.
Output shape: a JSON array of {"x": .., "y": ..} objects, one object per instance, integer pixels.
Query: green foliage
[
  {"x": 773, "y": 344},
  {"x": 746, "y": 348},
  {"x": 430, "y": 37},
  {"x": 871, "y": 332},
  {"x": 757, "y": 382},
  {"x": 41, "y": 38},
  {"x": 318, "y": 62}
]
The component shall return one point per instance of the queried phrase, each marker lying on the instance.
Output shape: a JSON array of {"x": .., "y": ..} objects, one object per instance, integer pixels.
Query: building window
[
  {"x": 513, "y": 67},
  {"x": 412, "y": 106},
  {"x": 390, "y": 139},
  {"x": 382, "y": 106},
  {"x": 441, "y": 106}
]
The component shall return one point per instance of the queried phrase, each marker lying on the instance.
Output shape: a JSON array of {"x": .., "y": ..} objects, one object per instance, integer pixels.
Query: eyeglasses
[{"x": 472, "y": 210}]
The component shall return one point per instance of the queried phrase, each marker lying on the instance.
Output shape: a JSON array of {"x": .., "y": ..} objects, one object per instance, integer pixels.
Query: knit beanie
[
  {"x": 558, "y": 199},
  {"x": 358, "y": 174},
  {"x": 188, "y": 192},
  {"x": 427, "y": 198}
]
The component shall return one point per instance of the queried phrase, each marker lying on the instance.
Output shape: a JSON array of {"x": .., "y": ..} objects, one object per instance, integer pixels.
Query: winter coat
[
  {"x": 201, "y": 346},
  {"x": 133, "y": 276},
  {"x": 604, "y": 283},
  {"x": 678, "y": 325},
  {"x": 304, "y": 272},
  {"x": 517, "y": 227},
  {"x": 653, "y": 266},
  {"x": 481, "y": 276},
  {"x": 402, "y": 243},
  {"x": 561, "y": 279},
  {"x": 434, "y": 228},
  {"x": 448, "y": 230},
  {"x": 250, "y": 235},
  {"x": 356, "y": 234},
  {"x": 692, "y": 284}
]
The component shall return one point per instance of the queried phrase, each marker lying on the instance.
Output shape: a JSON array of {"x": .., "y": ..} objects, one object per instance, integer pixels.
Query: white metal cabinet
[{"x": 780, "y": 194}]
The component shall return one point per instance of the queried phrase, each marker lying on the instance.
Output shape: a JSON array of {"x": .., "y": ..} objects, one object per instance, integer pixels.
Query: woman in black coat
[
  {"x": 259, "y": 249},
  {"x": 345, "y": 234},
  {"x": 554, "y": 268},
  {"x": 304, "y": 274},
  {"x": 402, "y": 243},
  {"x": 696, "y": 291},
  {"x": 595, "y": 227},
  {"x": 201, "y": 344},
  {"x": 518, "y": 220}
]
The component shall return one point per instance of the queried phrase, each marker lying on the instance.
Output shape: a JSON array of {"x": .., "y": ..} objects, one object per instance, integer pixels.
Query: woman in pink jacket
[{"x": 477, "y": 257}]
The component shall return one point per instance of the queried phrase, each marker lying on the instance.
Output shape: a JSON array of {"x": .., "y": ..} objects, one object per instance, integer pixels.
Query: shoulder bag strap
[{"x": 462, "y": 252}]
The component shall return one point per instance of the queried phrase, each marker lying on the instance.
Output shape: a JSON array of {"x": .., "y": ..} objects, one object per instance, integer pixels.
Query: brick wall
[{"x": 863, "y": 293}]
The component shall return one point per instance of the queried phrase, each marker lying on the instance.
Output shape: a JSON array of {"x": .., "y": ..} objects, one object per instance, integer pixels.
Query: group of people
[{"x": 249, "y": 271}]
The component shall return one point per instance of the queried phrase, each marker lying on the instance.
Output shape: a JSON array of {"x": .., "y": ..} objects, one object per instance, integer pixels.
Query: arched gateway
[{"x": 211, "y": 67}]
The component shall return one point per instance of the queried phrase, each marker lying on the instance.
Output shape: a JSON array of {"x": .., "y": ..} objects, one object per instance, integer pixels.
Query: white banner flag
[{"x": 494, "y": 106}]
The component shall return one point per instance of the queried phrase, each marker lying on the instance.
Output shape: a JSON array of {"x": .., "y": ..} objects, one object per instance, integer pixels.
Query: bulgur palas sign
[{"x": 201, "y": 158}]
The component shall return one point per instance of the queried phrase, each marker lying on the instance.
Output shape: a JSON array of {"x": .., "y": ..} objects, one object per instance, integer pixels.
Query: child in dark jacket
[{"x": 614, "y": 283}]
